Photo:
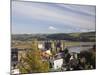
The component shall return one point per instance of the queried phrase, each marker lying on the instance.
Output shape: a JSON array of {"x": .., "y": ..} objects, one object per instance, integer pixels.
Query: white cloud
[
  {"x": 52, "y": 28},
  {"x": 68, "y": 15}
]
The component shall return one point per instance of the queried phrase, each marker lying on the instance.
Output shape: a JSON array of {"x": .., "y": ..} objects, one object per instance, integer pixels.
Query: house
[
  {"x": 41, "y": 46},
  {"x": 46, "y": 54},
  {"x": 58, "y": 64}
]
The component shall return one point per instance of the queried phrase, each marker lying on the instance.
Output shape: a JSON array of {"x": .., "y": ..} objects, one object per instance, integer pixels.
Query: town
[
  {"x": 57, "y": 53},
  {"x": 52, "y": 37}
]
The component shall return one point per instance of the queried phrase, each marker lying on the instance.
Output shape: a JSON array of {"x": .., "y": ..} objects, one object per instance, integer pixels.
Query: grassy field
[{"x": 72, "y": 43}]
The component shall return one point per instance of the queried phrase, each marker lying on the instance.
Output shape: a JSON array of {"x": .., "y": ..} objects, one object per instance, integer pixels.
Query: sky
[{"x": 41, "y": 17}]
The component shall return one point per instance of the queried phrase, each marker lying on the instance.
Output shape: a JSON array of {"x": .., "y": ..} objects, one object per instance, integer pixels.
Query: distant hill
[{"x": 86, "y": 36}]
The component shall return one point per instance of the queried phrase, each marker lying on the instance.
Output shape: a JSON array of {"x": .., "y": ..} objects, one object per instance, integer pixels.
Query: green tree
[
  {"x": 32, "y": 62},
  {"x": 90, "y": 57}
]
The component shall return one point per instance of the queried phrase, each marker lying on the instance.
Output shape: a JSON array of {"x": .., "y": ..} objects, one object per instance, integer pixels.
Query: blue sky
[{"x": 36, "y": 17}]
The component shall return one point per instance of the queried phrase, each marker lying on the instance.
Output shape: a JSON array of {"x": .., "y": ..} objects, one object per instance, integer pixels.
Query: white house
[
  {"x": 58, "y": 63},
  {"x": 40, "y": 46}
]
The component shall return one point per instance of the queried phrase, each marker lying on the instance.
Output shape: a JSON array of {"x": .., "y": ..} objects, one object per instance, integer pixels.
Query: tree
[
  {"x": 33, "y": 62},
  {"x": 66, "y": 56},
  {"x": 90, "y": 57}
]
